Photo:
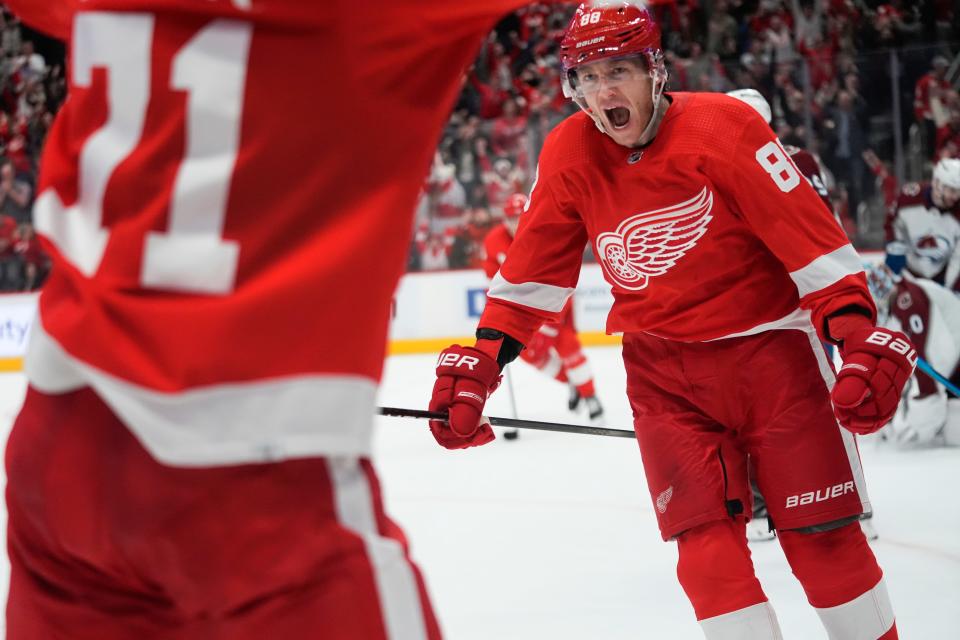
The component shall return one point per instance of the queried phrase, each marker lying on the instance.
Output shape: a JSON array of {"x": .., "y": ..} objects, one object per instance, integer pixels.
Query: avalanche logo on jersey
[
  {"x": 933, "y": 248},
  {"x": 649, "y": 244}
]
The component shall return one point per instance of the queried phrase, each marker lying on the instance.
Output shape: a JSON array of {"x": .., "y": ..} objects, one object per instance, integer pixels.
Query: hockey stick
[
  {"x": 924, "y": 366},
  {"x": 512, "y": 433},
  {"x": 397, "y": 412}
]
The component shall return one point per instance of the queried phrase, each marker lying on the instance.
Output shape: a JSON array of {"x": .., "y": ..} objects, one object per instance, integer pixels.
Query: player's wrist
[
  {"x": 846, "y": 322},
  {"x": 498, "y": 345}
]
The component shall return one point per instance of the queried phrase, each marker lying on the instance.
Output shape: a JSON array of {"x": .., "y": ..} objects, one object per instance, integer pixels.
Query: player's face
[
  {"x": 945, "y": 197},
  {"x": 619, "y": 92}
]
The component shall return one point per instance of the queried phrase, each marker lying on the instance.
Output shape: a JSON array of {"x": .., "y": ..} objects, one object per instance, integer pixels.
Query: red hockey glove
[
  {"x": 877, "y": 363},
  {"x": 465, "y": 377}
]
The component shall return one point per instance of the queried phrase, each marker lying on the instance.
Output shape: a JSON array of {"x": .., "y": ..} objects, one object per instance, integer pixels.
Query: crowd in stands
[
  {"x": 824, "y": 66},
  {"x": 31, "y": 91}
]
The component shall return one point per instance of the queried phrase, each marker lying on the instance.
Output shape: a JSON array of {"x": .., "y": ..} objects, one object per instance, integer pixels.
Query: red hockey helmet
[
  {"x": 515, "y": 205},
  {"x": 620, "y": 31},
  {"x": 611, "y": 32}
]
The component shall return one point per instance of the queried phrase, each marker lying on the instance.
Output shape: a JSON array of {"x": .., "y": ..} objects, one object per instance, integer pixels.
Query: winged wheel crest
[{"x": 649, "y": 244}]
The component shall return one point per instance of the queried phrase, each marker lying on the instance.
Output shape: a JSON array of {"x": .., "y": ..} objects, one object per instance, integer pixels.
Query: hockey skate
[
  {"x": 573, "y": 402},
  {"x": 594, "y": 411}
]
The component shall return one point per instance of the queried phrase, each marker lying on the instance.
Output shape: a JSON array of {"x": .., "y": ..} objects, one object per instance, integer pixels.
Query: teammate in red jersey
[
  {"x": 923, "y": 231},
  {"x": 192, "y": 458},
  {"x": 727, "y": 271},
  {"x": 555, "y": 348}
]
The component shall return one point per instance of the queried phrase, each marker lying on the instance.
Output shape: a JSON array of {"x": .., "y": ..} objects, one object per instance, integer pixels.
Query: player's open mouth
[{"x": 619, "y": 117}]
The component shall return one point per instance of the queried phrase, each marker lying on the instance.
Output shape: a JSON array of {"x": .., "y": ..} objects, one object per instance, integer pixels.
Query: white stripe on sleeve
[
  {"x": 827, "y": 269},
  {"x": 545, "y": 297}
]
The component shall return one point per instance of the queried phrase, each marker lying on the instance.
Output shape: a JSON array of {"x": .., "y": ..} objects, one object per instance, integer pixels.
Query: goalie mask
[{"x": 623, "y": 32}]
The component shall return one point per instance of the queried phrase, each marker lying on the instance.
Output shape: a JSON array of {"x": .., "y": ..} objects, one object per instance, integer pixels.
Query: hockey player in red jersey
[
  {"x": 555, "y": 348},
  {"x": 726, "y": 271},
  {"x": 923, "y": 232},
  {"x": 193, "y": 456}
]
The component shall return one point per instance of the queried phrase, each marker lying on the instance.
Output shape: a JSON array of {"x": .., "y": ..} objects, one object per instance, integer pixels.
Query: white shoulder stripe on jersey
[
  {"x": 234, "y": 423},
  {"x": 827, "y": 269},
  {"x": 536, "y": 295}
]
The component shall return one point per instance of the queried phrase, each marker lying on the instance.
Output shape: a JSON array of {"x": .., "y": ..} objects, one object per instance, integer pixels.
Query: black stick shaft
[{"x": 398, "y": 412}]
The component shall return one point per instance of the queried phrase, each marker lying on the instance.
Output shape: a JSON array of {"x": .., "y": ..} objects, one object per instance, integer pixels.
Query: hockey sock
[
  {"x": 715, "y": 569},
  {"x": 586, "y": 390},
  {"x": 842, "y": 580}
]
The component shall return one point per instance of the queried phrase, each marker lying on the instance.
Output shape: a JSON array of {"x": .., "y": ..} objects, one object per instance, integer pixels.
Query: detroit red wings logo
[{"x": 649, "y": 244}]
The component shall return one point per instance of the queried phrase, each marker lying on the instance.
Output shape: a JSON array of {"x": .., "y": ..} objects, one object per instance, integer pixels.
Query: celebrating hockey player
[
  {"x": 555, "y": 348},
  {"x": 726, "y": 271},
  {"x": 923, "y": 232},
  {"x": 930, "y": 316},
  {"x": 192, "y": 460}
]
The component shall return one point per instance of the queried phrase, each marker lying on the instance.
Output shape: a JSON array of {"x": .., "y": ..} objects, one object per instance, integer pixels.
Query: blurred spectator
[
  {"x": 808, "y": 23},
  {"x": 500, "y": 177},
  {"x": 30, "y": 63},
  {"x": 9, "y": 263},
  {"x": 722, "y": 29},
  {"x": 886, "y": 183},
  {"x": 15, "y": 194},
  {"x": 446, "y": 197},
  {"x": 948, "y": 136},
  {"x": 34, "y": 263},
  {"x": 433, "y": 256},
  {"x": 927, "y": 94},
  {"x": 509, "y": 133},
  {"x": 848, "y": 141},
  {"x": 466, "y": 251}
]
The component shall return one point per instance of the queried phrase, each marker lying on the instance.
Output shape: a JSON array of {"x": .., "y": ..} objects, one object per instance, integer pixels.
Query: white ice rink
[{"x": 552, "y": 536}]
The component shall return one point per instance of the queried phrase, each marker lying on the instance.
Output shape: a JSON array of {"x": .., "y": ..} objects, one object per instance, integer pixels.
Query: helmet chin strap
[{"x": 657, "y": 113}]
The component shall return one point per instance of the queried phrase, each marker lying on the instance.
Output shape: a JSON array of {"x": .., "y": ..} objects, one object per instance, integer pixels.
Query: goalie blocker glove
[{"x": 877, "y": 364}]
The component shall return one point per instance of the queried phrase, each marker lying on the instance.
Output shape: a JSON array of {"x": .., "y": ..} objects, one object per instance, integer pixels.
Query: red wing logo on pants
[
  {"x": 649, "y": 244},
  {"x": 664, "y": 499}
]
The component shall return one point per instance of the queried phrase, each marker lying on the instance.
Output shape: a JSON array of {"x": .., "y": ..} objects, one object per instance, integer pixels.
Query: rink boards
[{"x": 430, "y": 311}]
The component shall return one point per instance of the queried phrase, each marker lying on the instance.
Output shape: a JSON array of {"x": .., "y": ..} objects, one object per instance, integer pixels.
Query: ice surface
[{"x": 552, "y": 536}]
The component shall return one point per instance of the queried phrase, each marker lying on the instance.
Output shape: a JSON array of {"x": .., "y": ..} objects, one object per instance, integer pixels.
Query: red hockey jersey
[
  {"x": 227, "y": 198},
  {"x": 708, "y": 232}
]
